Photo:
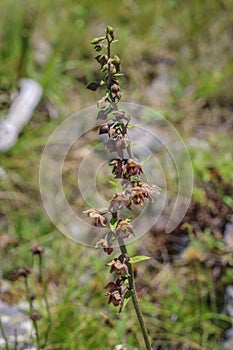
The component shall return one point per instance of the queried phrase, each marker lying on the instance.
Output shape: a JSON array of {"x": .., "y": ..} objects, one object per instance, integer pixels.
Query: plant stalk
[
  {"x": 136, "y": 304},
  {"x": 199, "y": 301},
  {"x": 4, "y": 335},
  {"x": 27, "y": 288},
  {"x": 43, "y": 284}
]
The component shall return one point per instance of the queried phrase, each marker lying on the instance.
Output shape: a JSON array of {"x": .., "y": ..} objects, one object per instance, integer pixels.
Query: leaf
[
  {"x": 133, "y": 126},
  {"x": 93, "y": 86},
  {"x": 127, "y": 297},
  {"x": 228, "y": 201},
  {"x": 133, "y": 178},
  {"x": 146, "y": 160},
  {"x": 118, "y": 74},
  {"x": 115, "y": 184},
  {"x": 113, "y": 224},
  {"x": 138, "y": 258}
]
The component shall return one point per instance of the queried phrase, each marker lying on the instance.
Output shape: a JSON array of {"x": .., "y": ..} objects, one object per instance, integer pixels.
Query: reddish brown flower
[
  {"x": 35, "y": 316},
  {"x": 32, "y": 296},
  {"x": 37, "y": 249},
  {"x": 144, "y": 191},
  {"x": 118, "y": 202},
  {"x": 118, "y": 265},
  {"x": 105, "y": 243},
  {"x": 124, "y": 229},
  {"x": 104, "y": 128},
  {"x": 24, "y": 272},
  {"x": 97, "y": 215},
  {"x": 126, "y": 168},
  {"x": 115, "y": 294},
  {"x": 118, "y": 167},
  {"x": 133, "y": 168}
]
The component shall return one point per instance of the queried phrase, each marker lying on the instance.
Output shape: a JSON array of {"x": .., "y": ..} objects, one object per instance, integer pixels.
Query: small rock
[
  {"x": 228, "y": 234},
  {"x": 14, "y": 320}
]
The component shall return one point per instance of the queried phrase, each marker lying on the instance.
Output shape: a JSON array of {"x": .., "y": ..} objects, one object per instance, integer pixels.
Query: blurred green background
[{"x": 177, "y": 58}]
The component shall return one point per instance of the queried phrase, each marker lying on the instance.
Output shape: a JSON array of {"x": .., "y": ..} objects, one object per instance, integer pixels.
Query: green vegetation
[{"x": 187, "y": 47}]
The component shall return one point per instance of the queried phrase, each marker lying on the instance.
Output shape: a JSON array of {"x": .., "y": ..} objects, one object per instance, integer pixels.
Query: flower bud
[
  {"x": 115, "y": 88},
  {"x": 104, "y": 68},
  {"x": 24, "y": 272},
  {"x": 37, "y": 249},
  {"x": 117, "y": 59},
  {"x": 35, "y": 316},
  {"x": 104, "y": 129},
  {"x": 32, "y": 296},
  {"x": 109, "y": 30},
  {"x": 93, "y": 86},
  {"x": 97, "y": 40},
  {"x": 98, "y": 47},
  {"x": 113, "y": 133}
]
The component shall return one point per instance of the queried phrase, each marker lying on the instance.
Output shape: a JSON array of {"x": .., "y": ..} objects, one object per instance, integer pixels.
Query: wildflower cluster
[
  {"x": 24, "y": 272},
  {"x": 114, "y": 123}
]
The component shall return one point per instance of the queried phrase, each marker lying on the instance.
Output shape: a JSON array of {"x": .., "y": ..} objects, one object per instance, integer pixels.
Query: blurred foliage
[{"x": 189, "y": 46}]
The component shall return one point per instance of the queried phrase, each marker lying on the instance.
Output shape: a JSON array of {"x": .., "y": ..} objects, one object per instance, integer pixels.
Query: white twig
[{"x": 19, "y": 113}]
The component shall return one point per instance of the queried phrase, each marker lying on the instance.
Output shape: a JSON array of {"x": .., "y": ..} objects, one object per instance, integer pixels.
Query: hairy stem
[{"x": 136, "y": 304}]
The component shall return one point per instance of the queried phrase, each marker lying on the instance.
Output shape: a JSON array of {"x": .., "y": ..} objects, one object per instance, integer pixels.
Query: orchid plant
[{"x": 115, "y": 124}]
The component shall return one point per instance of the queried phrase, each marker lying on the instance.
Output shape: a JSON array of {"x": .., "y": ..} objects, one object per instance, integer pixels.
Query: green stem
[
  {"x": 109, "y": 79},
  {"x": 136, "y": 304},
  {"x": 27, "y": 288},
  {"x": 4, "y": 335},
  {"x": 199, "y": 301},
  {"x": 16, "y": 339},
  {"x": 43, "y": 283}
]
